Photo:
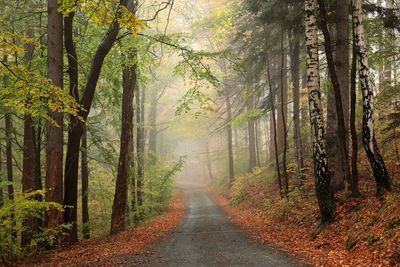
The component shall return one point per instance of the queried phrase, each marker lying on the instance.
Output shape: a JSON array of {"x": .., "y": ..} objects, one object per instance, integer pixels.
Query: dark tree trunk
[
  {"x": 341, "y": 125},
  {"x": 55, "y": 139},
  {"x": 85, "y": 186},
  {"x": 295, "y": 70},
  {"x": 74, "y": 135},
  {"x": 121, "y": 188},
  {"x": 252, "y": 136},
  {"x": 30, "y": 224},
  {"x": 354, "y": 190},
  {"x": 76, "y": 130},
  {"x": 282, "y": 112},
  {"x": 38, "y": 164},
  {"x": 274, "y": 126},
  {"x": 341, "y": 61}
]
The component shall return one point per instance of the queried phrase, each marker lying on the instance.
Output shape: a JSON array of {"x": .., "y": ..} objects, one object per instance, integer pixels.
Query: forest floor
[
  {"x": 366, "y": 230},
  {"x": 98, "y": 251}
]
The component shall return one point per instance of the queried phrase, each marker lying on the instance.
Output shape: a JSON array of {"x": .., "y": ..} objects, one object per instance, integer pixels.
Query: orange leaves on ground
[
  {"x": 130, "y": 242},
  {"x": 366, "y": 232}
]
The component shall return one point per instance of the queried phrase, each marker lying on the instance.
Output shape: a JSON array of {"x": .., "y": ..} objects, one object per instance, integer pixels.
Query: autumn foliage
[
  {"x": 366, "y": 231},
  {"x": 106, "y": 250}
]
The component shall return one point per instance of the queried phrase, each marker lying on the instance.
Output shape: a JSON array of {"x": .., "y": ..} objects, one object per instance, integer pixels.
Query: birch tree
[
  {"x": 382, "y": 178},
  {"x": 322, "y": 180}
]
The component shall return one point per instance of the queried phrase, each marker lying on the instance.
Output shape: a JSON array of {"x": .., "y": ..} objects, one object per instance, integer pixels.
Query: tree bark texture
[
  {"x": 322, "y": 181},
  {"x": 55, "y": 139},
  {"x": 124, "y": 163},
  {"x": 382, "y": 178}
]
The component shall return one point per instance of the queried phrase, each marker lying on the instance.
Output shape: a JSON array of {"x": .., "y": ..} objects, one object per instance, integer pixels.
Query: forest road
[{"x": 206, "y": 237}]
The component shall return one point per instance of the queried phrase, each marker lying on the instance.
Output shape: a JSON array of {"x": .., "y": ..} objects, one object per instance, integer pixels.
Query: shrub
[{"x": 13, "y": 213}]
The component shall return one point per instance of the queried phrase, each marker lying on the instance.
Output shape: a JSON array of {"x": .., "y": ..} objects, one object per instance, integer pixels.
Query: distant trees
[{"x": 269, "y": 39}]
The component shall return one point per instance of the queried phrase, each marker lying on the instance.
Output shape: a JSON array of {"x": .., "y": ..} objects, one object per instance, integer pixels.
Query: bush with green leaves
[
  {"x": 158, "y": 187},
  {"x": 13, "y": 213}
]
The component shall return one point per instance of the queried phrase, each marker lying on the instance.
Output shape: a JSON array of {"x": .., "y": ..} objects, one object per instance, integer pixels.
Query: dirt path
[{"x": 206, "y": 237}]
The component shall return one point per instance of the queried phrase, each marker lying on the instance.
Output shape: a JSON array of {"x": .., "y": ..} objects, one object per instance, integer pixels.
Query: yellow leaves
[
  {"x": 14, "y": 43},
  {"x": 31, "y": 93},
  {"x": 130, "y": 21},
  {"x": 68, "y": 6}
]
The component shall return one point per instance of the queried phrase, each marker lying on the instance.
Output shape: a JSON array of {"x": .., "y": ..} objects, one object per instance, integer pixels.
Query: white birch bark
[
  {"x": 367, "y": 85},
  {"x": 322, "y": 182}
]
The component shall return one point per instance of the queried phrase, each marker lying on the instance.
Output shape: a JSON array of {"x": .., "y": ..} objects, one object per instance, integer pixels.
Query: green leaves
[{"x": 29, "y": 93}]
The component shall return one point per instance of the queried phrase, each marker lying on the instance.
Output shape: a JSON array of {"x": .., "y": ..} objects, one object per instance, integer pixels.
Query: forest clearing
[{"x": 200, "y": 133}]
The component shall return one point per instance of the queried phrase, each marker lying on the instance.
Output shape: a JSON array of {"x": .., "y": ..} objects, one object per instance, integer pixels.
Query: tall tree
[
  {"x": 325, "y": 197},
  {"x": 231, "y": 171},
  {"x": 76, "y": 129},
  {"x": 382, "y": 178},
  {"x": 341, "y": 125},
  {"x": 282, "y": 107},
  {"x": 30, "y": 224},
  {"x": 252, "y": 135},
  {"x": 129, "y": 82},
  {"x": 295, "y": 71},
  {"x": 55, "y": 137},
  {"x": 353, "y": 128}
]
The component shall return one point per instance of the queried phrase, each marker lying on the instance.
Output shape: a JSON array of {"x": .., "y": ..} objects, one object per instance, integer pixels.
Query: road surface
[{"x": 206, "y": 237}]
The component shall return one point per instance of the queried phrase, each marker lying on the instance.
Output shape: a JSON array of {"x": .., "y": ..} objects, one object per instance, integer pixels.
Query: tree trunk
[
  {"x": 140, "y": 145},
  {"x": 257, "y": 138},
  {"x": 38, "y": 163},
  {"x": 343, "y": 160},
  {"x": 72, "y": 157},
  {"x": 252, "y": 137},
  {"x": 76, "y": 130},
  {"x": 85, "y": 187},
  {"x": 354, "y": 190},
  {"x": 341, "y": 61},
  {"x": 282, "y": 112},
  {"x": 28, "y": 178},
  {"x": 121, "y": 188},
  {"x": 30, "y": 224},
  {"x": 295, "y": 70},
  {"x": 274, "y": 124},
  {"x": 231, "y": 171},
  {"x": 9, "y": 167},
  {"x": 382, "y": 178},
  {"x": 322, "y": 181},
  {"x": 55, "y": 139}
]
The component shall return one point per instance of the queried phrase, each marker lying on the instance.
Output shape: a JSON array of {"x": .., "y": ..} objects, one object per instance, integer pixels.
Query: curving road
[{"x": 207, "y": 238}]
